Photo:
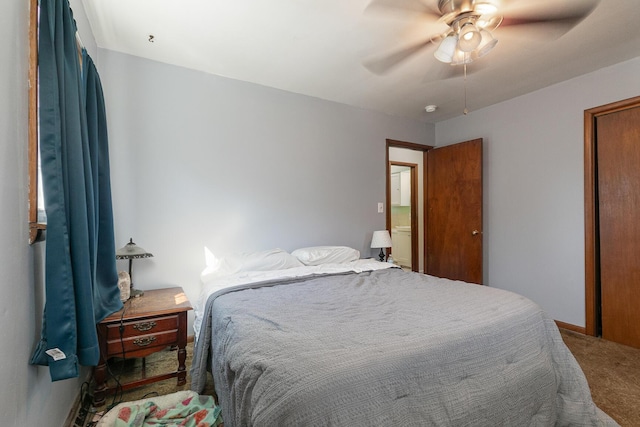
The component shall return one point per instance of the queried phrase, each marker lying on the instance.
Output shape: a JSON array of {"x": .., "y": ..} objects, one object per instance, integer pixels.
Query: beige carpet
[
  {"x": 613, "y": 373},
  {"x": 612, "y": 370}
]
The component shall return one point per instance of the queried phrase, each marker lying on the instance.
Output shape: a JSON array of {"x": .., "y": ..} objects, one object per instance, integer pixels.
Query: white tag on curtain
[{"x": 56, "y": 354}]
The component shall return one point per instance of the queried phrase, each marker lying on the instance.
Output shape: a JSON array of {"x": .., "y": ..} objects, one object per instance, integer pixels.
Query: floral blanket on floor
[{"x": 195, "y": 411}]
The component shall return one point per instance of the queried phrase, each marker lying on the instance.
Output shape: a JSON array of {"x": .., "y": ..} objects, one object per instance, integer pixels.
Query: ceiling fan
[{"x": 471, "y": 24}]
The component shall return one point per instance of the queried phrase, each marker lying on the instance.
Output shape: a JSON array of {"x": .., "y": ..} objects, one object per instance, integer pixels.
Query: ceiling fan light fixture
[
  {"x": 447, "y": 49},
  {"x": 460, "y": 58},
  {"x": 487, "y": 43},
  {"x": 469, "y": 37}
]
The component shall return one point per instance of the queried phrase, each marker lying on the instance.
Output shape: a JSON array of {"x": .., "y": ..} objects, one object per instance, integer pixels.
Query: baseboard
[
  {"x": 73, "y": 413},
  {"x": 190, "y": 338},
  {"x": 570, "y": 327}
]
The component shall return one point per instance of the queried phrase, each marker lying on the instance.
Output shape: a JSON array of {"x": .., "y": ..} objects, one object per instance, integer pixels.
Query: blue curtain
[{"x": 81, "y": 279}]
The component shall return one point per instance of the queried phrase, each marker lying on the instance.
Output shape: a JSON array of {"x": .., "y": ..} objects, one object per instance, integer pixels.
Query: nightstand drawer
[
  {"x": 142, "y": 327},
  {"x": 141, "y": 343}
]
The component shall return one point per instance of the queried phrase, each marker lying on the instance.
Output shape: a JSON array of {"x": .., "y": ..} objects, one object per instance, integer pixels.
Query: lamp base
[
  {"x": 381, "y": 255},
  {"x": 136, "y": 293}
]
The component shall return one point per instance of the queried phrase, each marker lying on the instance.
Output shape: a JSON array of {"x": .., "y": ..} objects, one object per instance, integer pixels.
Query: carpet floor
[
  {"x": 613, "y": 374},
  {"x": 612, "y": 370}
]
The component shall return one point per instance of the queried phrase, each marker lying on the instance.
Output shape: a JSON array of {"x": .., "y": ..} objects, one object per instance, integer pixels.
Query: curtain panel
[{"x": 81, "y": 279}]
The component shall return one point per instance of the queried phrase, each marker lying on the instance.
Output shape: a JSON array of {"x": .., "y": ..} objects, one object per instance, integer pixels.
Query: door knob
[{"x": 475, "y": 232}]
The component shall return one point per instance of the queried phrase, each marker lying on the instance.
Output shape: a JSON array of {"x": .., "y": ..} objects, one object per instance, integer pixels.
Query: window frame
[{"x": 36, "y": 228}]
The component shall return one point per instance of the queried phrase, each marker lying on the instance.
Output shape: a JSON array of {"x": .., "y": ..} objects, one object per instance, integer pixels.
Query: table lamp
[
  {"x": 132, "y": 251},
  {"x": 381, "y": 239}
]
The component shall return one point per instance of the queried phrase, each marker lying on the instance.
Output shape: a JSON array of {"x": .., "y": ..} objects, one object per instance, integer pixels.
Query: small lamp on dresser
[{"x": 381, "y": 239}]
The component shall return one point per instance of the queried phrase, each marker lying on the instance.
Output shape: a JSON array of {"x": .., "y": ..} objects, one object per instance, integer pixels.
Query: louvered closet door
[{"x": 618, "y": 157}]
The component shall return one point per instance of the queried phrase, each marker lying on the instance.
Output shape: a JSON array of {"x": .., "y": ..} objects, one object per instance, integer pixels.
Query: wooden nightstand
[{"x": 145, "y": 325}]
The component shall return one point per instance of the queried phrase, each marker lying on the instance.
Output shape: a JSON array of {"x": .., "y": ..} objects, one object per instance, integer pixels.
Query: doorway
[
  {"x": 612, "y": 233},
  {"x": 409, "y": 154},
  {"x": 404, "y": 214},
  {"x": 450, "y": 208}
]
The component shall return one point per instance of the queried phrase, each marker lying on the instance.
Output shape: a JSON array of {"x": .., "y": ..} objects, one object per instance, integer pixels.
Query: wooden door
[
  {"x": 454, "y": 211},
  {"x": 618, "y": 180}
]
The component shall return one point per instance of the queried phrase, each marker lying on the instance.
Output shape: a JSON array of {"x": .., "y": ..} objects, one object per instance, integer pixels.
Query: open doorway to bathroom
[
  {"x": 404, "y": 213},
  {"x": 402, "y": 153}
]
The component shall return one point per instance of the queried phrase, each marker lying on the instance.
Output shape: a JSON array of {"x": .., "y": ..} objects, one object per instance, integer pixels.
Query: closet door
[
  {"x": 618, "y": 165},
  {"x": 454, "y": 211}
]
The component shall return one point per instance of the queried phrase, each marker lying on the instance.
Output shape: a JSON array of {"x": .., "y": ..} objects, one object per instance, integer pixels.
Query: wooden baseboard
[
  {"x": 190, "y": 338},
  {"x": 570, "y": 327}
]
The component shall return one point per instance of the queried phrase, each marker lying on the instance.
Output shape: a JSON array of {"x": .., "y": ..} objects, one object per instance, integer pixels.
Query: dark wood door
[
  {"x": 454, "y": 211},
  {"x": 618, "y": 165}
]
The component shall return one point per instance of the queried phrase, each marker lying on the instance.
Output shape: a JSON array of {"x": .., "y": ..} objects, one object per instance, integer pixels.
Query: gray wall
[
  {"x": 533, "y": 185},
  {"x": 200, "y": 160},
  {"x": 28, "y": 397}
]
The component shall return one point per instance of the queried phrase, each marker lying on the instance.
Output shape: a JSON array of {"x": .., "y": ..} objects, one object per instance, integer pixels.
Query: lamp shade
[
  {"x": 446, "y": 49},
  {"x": 381, "y": 239},
  {"x": 487, "y": 43},
  {"x": 461, "y": 58},
  {"x": 132, "y": 251},
  {"x": 470, "y": 37}
]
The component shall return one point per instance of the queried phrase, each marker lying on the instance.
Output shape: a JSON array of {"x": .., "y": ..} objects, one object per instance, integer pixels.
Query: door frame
[
  {"x": 591, "y": 228},
  {"x": 423, "y": 149}
]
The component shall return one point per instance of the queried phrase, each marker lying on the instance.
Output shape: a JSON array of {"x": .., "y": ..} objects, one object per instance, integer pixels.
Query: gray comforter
[{"x": 387, "y": 348}]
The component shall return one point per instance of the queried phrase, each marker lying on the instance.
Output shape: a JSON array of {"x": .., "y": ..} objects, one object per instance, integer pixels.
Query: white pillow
[
  {"x": 272, "y": 259},
  {"x": 318, "y": 255}
]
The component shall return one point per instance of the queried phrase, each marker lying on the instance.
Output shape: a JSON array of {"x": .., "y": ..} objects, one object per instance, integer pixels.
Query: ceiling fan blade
[
  {"x": 404, "y": 6},
  {"x": 385, "y": 63},
  {"x": 564, "y": 16}
]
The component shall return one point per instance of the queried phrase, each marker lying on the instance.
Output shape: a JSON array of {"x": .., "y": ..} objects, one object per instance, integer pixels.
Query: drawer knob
[
  {"x": 144, "y": 341},
  {"x": 145, "y": 326}
]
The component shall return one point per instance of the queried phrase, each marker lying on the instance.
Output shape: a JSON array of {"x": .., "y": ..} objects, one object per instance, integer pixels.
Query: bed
[{"x": 361, "y": 343}]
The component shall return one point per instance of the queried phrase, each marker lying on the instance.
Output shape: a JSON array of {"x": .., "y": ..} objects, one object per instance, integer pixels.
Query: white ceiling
[{"x": 318, "y": 48}]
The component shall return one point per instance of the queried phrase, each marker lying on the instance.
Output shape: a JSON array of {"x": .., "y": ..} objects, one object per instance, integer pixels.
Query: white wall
[
  {"x": 203, "y": 160},
  {"x": 533, "y": 185},
  {"x": 28, "y": 396}
]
